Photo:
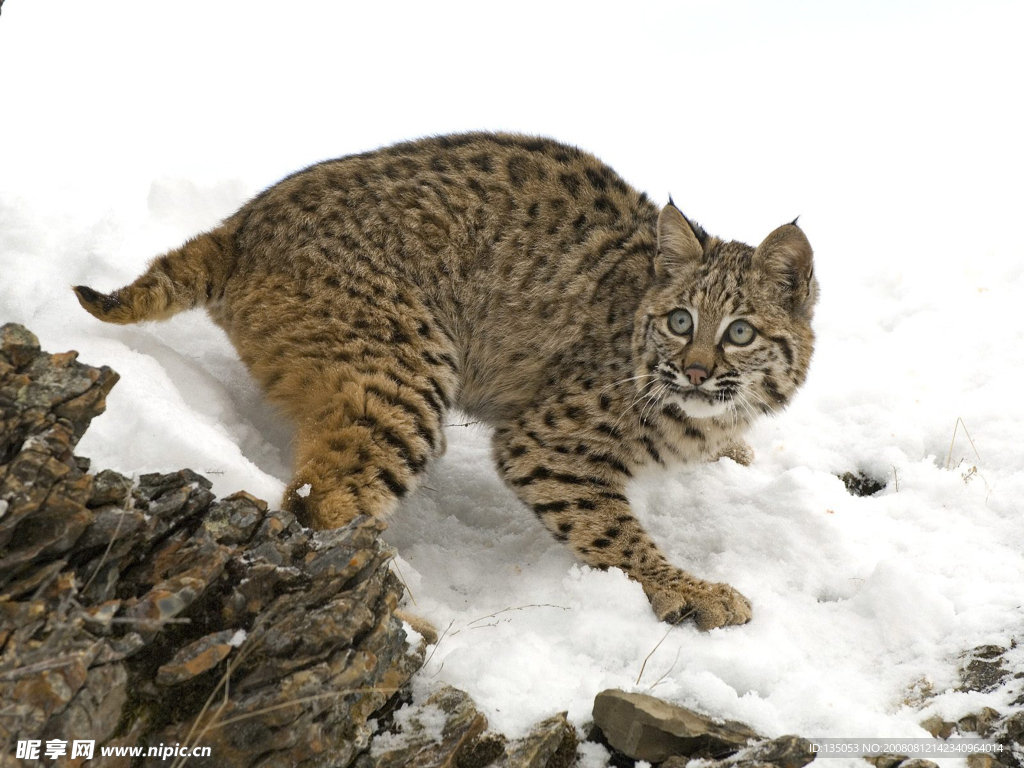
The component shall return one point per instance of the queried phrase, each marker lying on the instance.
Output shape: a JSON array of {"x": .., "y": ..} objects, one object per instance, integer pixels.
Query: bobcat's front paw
[
  {"x": 709, "y": 604},
  {"x": 738, "y": 451}
]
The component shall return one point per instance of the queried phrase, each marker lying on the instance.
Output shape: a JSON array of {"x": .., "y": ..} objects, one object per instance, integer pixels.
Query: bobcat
[{"x": 524, "y": 282}]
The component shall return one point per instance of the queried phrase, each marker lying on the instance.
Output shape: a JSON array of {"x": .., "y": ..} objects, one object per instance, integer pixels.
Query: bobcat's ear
[
  {"x": 786, "y": 255},
  {"x": 677, "y": 242}
]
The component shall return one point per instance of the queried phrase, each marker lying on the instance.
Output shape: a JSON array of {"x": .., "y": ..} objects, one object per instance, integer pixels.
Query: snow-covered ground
[{"x": 892, "y": 128}]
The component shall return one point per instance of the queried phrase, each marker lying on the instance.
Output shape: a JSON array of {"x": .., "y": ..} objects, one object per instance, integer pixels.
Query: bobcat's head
[{"x": 724, "y": 332}]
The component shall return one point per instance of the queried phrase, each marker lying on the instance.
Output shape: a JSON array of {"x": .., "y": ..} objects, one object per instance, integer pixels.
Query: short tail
[{"x": 190, "y": 276}]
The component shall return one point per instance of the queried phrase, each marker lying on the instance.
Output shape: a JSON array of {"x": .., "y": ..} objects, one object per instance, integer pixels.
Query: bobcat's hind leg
[
  {"x": 367, "y": 428},
  {"x": 361, "y": 450}
]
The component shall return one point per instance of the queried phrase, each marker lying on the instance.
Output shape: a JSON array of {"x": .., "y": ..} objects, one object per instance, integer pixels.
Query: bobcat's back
[{"x": 506, "y": 241}]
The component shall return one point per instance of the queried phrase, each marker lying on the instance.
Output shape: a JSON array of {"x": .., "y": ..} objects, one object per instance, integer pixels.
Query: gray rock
[
  {"x": 886, "y": 760},
  {"x": 859, "y": 484},
  {"x": 983, "y": 760},
  {"x": 550, "y": 744},
  {"x": 646, "y": 728},
  {"x": 982, "y": 669},
  {"x": 109, "y": 487},
  {"x": 982, "y": 722},
  {"x": 1013, "y": 728},
  {"x": 110, "y": 593},
  {"x": 196, "y": 658},
  {"x": 784, "y": 752},
  {"x": 937, "y": 727},
  {"x": 485, "y": 750},
  {"x": 434, "y": 734}
]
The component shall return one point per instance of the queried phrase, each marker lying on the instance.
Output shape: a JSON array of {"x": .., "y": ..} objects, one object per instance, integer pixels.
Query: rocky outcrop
[
  {"x": 150, "y": 613},
  {"x": 645, "y": 728},
  {"x": 448, "y": 731},
  {"x": 783, "y": 752}
]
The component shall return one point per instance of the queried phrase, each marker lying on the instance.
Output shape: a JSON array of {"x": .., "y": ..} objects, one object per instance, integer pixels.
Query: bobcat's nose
[{"x": 697, "y": 374}]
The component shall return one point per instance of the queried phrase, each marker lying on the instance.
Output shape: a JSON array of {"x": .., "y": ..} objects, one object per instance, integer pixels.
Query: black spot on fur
[
  {"x": 773, "y": 391},
  {"x": 392, "y": 483},
  {"x": 478, "y": 189},
  {"x": 518, "y": 170},
  {"x": 551, "y": 506},
  {"x": 692, "y": 431},
  {"x": 604, "y": 205},
  {"x": 611, "y": 461},
  {"x": 571, "y": 182},
  {"x": 596, "y": 179},
  {"x": 784, "y": 346},
  {"x": 483, "y": 162},
  {"x": 539, "y": 473}
]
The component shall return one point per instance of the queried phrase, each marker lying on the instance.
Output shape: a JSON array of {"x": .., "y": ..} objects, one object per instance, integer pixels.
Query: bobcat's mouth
[{"x": 697, "y": 403}]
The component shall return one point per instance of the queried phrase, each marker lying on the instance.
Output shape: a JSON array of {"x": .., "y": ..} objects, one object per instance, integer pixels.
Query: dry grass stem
[
  {"x": 517, "y": 608},
  {"x": 667, "y": 671},
  {"x": 401, "y": 578},
  {"x": 438, "y": 643},
  {"x": 647, "y": 658},
  {"x": 128, "y": 505},
  {"x": 958, "y": 425}
]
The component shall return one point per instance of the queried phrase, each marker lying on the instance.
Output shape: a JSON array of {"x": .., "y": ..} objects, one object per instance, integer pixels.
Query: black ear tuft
[
  {"x": 794, "y": 222},
  {"x": 698, "y": 231}
]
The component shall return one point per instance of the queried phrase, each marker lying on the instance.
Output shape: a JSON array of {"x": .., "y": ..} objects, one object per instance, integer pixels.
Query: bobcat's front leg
[{"x": 575, "y": 488}]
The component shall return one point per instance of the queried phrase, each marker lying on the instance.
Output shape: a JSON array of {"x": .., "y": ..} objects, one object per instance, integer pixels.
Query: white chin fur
[{"x": 701, "y": 409}]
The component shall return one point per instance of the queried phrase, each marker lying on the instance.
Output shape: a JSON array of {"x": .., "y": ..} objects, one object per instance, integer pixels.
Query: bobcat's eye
[
  {"x": 740, "y": 333},
  {"x": 680, "y": 322}
]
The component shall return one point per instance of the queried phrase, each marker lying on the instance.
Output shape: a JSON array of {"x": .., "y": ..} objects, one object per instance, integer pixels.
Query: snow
[
  {"x": 891, "y": 129},
  {"x": 238, "y": 638},
  {"x": 425, "y": 721}
]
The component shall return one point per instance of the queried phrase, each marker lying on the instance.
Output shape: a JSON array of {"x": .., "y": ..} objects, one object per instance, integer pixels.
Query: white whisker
[
  {"x": 636, "y": 397},
  {"x": 623, "y": 381},
  {"x": 655, "y": 397}
]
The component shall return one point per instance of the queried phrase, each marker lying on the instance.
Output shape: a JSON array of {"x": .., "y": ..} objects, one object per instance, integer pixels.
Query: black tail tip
[{"x": 95, "y": 300}]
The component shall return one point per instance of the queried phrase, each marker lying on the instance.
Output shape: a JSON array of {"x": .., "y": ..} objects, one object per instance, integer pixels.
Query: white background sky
[{"x": 902, "y": 119}]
